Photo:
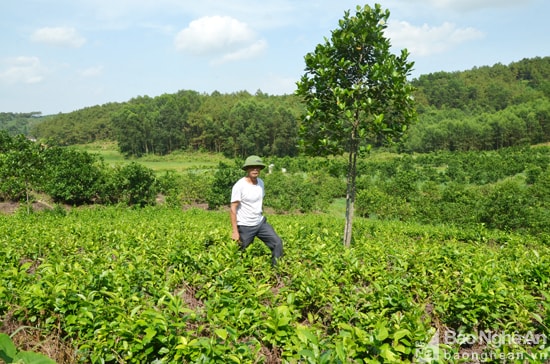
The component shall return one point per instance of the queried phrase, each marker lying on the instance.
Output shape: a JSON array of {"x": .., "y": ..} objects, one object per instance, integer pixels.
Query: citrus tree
[
  {"x": 356, "y": 94},
  {"x": 21, "y": 167}
]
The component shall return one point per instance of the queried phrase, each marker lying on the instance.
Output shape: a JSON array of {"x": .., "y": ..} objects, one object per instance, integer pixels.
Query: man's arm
[{"x": 233, "y": 213}]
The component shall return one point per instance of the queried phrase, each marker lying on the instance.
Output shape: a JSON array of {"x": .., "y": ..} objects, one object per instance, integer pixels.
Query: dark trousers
[{"x": 265, "y": 233}]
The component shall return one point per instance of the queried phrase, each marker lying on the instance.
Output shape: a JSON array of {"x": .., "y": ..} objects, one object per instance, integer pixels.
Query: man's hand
[{"x": 233, "y": 214}]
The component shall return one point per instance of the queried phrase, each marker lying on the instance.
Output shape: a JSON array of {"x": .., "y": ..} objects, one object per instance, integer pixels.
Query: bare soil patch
[{"x": 7, "y": 207}]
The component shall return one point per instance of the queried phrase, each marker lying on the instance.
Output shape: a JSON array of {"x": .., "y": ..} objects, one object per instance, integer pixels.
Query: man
[{"x": 247, "y": 220}]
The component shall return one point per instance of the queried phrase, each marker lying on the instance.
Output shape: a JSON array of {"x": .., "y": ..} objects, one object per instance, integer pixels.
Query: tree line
[
  {"x": 235, "y": 124},
  {"x": 484, "y": 108}
]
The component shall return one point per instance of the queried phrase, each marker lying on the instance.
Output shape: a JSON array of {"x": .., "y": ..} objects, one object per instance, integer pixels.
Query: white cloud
[
  {"x": 427, "y": 40},
  {"x": 59, "y": 36},
  {"x": 472, "y": 5},
  {"x": 278, "y": 85},
  {"x": 27, "y": 70},
  {"x": 92, "y": 71},
  {"x": 221, "y": 36},
  {"x": 251, "y": 51}
]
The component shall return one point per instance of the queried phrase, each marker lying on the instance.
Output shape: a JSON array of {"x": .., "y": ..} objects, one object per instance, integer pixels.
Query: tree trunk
[
  {"x": 27, "y": 196},
  {"x": 350, "y": 193}
]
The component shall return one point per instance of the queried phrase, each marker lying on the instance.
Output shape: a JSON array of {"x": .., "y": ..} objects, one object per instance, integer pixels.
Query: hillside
[{"x": 484, "y": 108}]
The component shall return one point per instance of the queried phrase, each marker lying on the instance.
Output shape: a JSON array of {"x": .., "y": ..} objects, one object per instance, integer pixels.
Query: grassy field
[{"x": 178, "y": 161}]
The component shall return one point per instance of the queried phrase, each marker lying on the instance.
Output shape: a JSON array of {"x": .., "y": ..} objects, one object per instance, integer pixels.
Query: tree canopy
[{"x": 356, "y": 93}]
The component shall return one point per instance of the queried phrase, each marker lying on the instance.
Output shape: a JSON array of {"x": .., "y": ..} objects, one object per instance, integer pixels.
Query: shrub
[
  {"x": 222, "y": 183},
  {"x": 71, "y": 176},
  {"x": 138, "y": 184},
  {"x": 295, "y": 192},
  {"x": 506, "y": 206},
  {"x": 12, "y": 189},
  {"x": 185, "y": 189},
  {"x": 375, "y": 203},
  {"x": 21, "y": 167}
]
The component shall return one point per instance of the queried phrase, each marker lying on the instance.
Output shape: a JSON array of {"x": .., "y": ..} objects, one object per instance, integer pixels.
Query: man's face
[{"x": 254, "y": 171}]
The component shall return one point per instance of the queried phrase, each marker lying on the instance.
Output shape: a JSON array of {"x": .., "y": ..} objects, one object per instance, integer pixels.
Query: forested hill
[
  {"x": 483, "y": 108},
  {"x": 486, "y": 89}
]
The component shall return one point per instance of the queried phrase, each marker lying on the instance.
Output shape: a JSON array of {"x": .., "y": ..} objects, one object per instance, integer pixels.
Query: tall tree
[{"x": 356, "y": 93}]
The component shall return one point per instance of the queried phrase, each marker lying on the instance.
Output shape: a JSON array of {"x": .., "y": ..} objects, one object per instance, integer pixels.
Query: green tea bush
[
  {"x": 157, "y": 285},
  {"x": 12, "y": 188},
  {"x": 132, "y": 184},
  {"x": 288, "y": 192},
  {"x": 21, "y": 167},
  {"x": 459, "y": 205}
]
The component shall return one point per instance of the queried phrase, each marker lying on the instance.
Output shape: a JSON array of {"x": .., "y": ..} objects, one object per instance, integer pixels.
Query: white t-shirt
[{"x": 250, "y": 196}]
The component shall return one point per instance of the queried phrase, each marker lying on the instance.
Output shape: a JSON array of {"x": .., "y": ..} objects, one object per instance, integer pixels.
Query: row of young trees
[
  {"x": 508, "y": 189},
  {"x": 68, "y": 176}
]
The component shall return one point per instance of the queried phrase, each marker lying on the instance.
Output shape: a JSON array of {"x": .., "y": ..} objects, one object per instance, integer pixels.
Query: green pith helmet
[{"x": 253, "y": 160}]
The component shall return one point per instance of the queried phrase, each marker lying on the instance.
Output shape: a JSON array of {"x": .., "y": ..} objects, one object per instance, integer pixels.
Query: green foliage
[
  {"x": 21, "y": 164},
  {"x": 9, "y": 353},
  {"x": 235, "y": 125},
  {"x": 136, "y": 185},
  {"x": 185, "y": 189},
  {"x": 296, "y": 192},
  {"x": 485, "y": 108},
  {"x": 224, "y": 179},
  {"x": 71, "y": 176},
  {"x": 487, "y": 88},
  {"x": 507, "y": 206},
  {"x": 355, "y": 90},
  {"x": 78, "y": 127},
  {"x": 505, "y": 189},
  {"x": 257, "y": 127},
  {"x": 516, "y": 125},
  {"x": 377, "y": 204},
  {"x": 154, "y": 125},
  {"x": 166, "y": 285},
  {"x": 19, "y": 123}
]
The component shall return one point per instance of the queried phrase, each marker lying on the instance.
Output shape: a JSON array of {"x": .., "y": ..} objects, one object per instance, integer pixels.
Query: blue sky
[{"x": 64, "y": 55}]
